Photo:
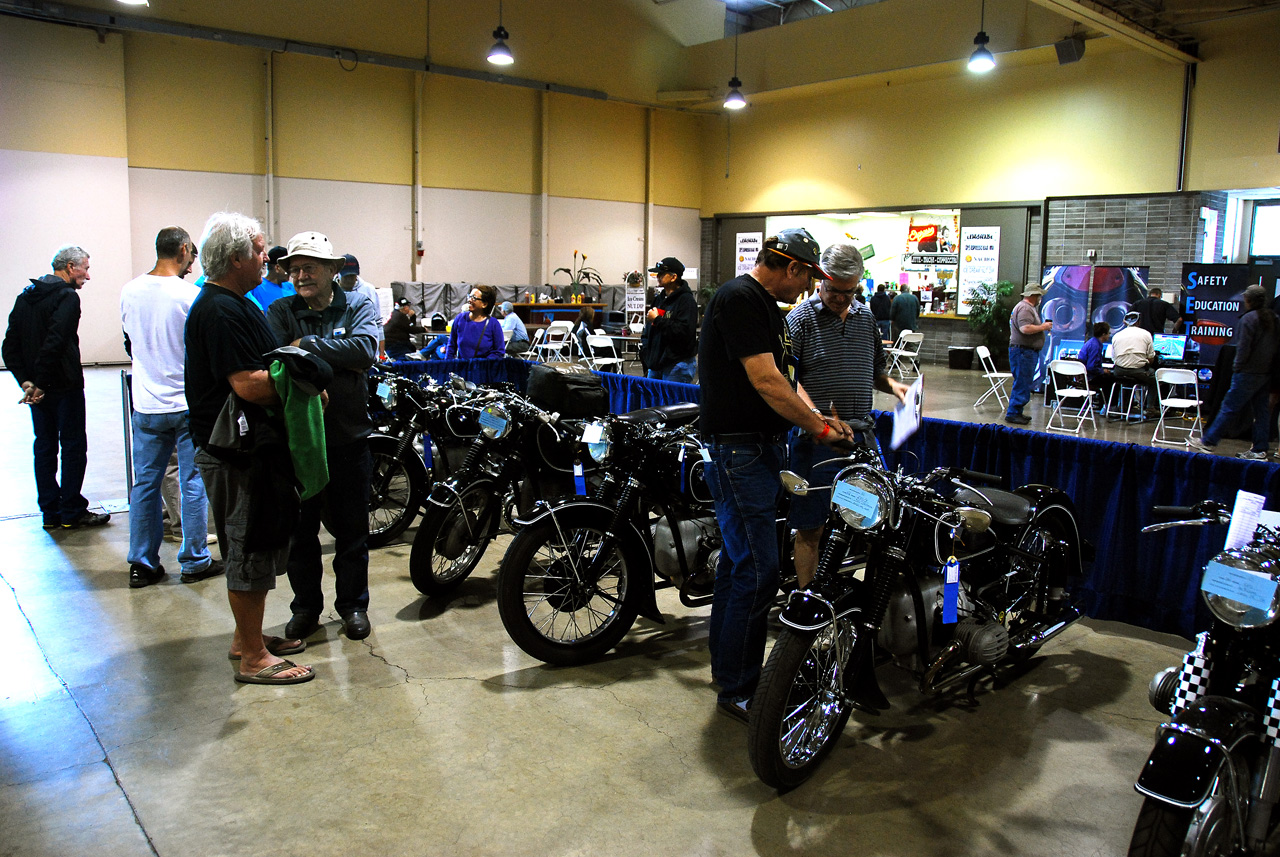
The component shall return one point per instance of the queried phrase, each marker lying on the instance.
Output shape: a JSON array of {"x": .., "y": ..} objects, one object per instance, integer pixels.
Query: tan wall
[
  {"x": 677, "y": 159},
  {"x": 596, "y": 149},
  {"x": 478, "y": 136}
]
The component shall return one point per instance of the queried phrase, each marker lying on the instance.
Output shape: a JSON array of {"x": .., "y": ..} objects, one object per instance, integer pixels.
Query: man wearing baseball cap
[
  {"x": 669, "y": 344},
  {"x": 748, "y": 402},
  {"x": 1026, "y": 338},
  {"x": 398, "y": 331},
  {"x": 343, "y": 329},
  {"x": 276, "y": 285}
]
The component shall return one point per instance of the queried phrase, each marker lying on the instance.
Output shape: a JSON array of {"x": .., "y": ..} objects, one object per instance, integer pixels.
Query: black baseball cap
[
  {"x": 276, "y": 253},
  {"x": 669, "y": 265},
  {"x": 797, "y": 244},
  {"x": 351, "y": 266},
  {"x": 404, "y": 302}
]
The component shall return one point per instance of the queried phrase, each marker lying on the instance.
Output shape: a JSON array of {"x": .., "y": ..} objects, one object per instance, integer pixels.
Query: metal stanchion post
[{"x": 126, "y": 405}]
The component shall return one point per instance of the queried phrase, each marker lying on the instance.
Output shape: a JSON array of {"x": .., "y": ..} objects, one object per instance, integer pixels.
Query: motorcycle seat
[
  {"x": 1005, "y": 507},
  {"x": 679, "y": 414}
]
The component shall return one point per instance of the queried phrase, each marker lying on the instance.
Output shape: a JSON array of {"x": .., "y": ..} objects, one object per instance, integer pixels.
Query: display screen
[{"x": 1170, "y": 346}]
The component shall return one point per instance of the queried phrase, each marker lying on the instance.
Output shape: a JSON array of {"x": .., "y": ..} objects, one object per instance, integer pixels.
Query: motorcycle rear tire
[
  {"x": 798, "y": 711},
  {"x": 1162, "y": 831},
  {"x": 392, "y": 510},
  {"x": 432, "y": 571},
  {"x": 532, "y": 599}
]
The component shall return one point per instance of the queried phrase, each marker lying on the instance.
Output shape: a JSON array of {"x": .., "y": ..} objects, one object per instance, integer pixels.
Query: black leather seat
[
  {"x": 1005, "y": 507},
  {"x": 679, "y": 414}
]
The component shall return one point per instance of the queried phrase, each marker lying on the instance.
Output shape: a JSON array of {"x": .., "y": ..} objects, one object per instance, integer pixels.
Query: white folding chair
[
  {"x": 602, "y": 356},
  {"x": 1178, "y": 390},
  {"x": 557, "y": 342},
  {"x": 1072, "y": 398},
  {"x": 905, "y": 353},
  {"x": 995, "y": 379}
]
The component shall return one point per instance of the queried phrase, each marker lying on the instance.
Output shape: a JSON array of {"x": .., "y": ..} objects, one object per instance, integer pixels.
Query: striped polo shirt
[{"x": 838, "y": 360}]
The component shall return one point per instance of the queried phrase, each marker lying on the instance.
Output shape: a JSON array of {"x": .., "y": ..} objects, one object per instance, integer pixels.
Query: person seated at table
[
  {"x": 584, "y": 327},
  {"x": 518, "y": 341},
  {"x": 1135, "y": 358},
  {"x": 398, "y": 331},
  {"x": 1100, "y": 379},
  {"x": 476, "y": 334}
]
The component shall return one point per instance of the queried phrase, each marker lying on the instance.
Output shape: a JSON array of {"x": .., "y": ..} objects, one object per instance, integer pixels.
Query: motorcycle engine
[
  {"x": 984, "y": 642},
  {"x": 700, "y": 539},
  {"x": 899, "y": 634}
]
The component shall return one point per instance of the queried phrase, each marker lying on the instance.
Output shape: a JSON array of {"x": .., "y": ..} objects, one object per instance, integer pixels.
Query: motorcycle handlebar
[
  {"x": 979, "y": 476},
  {"x": 1173, "y": 513}
]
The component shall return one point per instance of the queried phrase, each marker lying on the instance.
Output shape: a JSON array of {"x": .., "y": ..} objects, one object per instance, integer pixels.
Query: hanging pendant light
[
  {"x": 982, "y": 60},
  {"x": 734, "y": 99},
  {"x": 500, "y": 54}
]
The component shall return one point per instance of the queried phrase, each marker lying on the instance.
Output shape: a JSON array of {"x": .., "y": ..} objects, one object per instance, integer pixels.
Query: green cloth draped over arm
[{"x": 304, "y": 425}]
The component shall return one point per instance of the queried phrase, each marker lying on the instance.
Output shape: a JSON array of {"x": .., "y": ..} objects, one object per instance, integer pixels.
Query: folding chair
[
  {"x": 556, "y": 343},
  {"x": 994, "y": 378},
  {"x": 905, "y": 351},
  {"x": 602, "y": 356},
  {"x": 1070, "y": 390},
  {"x": 1178, "y": 390}
]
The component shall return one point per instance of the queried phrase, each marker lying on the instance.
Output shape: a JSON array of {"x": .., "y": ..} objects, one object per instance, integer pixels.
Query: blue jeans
[
  {"x": 58, "y": 424},
  {"x": 1248, "y": 391},
  {"x": 744, "y": 482},
  {"x": 345, "y": 500},
  {"x": 155, "y": 436},
  {"x": 886, "y": 329},
  {"x": 1022, "y": 363},
  {"x": 681, "y": 372}
]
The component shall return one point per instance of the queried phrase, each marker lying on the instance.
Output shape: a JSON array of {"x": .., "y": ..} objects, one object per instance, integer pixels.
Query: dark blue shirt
[{"x": 1091, "y": 356}]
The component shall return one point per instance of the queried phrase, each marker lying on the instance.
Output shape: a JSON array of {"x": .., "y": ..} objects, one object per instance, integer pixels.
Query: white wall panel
[
  {"x": 48, "y": 200},
  {"x": 610, "y": 233},
  {"x": 478, "y": 237},
  {"x": 676, "y": 232}
]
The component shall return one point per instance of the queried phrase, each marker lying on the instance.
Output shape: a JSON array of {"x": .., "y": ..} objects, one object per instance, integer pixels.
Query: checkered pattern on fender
[
  {"x": 1271, "y": 721},
  {"x": 1193, "y": 678}
]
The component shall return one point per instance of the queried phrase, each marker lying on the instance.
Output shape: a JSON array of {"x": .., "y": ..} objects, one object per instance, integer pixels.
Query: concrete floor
[{"x": 122, "y": 732}]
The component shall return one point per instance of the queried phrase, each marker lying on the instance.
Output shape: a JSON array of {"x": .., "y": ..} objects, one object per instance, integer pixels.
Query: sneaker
[
  {"x": 1196, "y": 445},
  {"x": 215, "y": 568},
  {"x": 140, "y": 575},
  {"x": 52, "y": 523},
  {"x": 88, "y": 519},
  {"x": 1017, "y": 419},
  {"x": 1250, "y": 455},
  {"x": 736, "y": 710}
]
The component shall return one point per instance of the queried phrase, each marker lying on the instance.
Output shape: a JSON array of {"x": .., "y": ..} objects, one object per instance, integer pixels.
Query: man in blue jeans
[
  {"x": 1026, "y": 338},
  {"x": 669, "y": 344},
  {"x": 153, "y": 312},
  {"x": 748, "y": 402}
]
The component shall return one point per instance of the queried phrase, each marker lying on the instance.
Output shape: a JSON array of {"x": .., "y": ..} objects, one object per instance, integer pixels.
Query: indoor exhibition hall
[{"x": 643, "y": 427}]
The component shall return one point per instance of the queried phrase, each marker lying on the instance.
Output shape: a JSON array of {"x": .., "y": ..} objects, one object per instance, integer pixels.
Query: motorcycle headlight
[
  {"x": 599, "y": 440},
  {"x": 1241, "y": 590},
  {"x": 495, "y": 421},
  {"x": 863, "y": 497},
  {"x": 387, "y": 393}
]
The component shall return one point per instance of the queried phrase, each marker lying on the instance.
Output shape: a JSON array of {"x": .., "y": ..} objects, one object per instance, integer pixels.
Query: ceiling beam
[{"x": 1112, "y": 23}]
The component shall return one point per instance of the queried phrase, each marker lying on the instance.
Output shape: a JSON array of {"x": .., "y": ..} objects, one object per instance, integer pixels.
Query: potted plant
[
  {"x": 580, "y": 275},
  {"x": 989, "y": 307}
]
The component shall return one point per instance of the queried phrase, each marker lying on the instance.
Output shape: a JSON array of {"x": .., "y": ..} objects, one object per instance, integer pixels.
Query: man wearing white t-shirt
[{"x": 153, "y": 311}]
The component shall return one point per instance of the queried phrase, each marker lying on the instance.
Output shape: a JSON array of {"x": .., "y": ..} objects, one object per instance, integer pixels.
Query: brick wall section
[
  {"x": 707, "y": 273},
  {"x": 1034, "y": 231}
]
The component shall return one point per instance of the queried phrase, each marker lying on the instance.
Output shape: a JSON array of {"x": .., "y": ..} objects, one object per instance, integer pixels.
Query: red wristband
[{"x": 826, "y": 430}]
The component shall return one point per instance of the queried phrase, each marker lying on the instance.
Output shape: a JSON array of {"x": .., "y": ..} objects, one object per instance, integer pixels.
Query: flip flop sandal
[
  {"x": 275, "y": 646},
  {"x": 271, "y": 675}
]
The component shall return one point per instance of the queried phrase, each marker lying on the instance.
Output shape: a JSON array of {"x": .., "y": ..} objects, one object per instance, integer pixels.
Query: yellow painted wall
[
  {"x": 61, "y": 90},
  {"x": 1235, "y": 116},
  {"x": 194, "y": 105},
  {"x": 480, "y": 136},
  {"x": 1020, "y": 133},
  {"x": 596, "y": 149},
  {"x": 677, "y": 159},
  {"x": 343, "y": 125}
]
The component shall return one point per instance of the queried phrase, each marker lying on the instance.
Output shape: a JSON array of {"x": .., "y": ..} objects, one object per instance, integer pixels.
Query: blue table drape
[{"x": 1147, "y": 580}]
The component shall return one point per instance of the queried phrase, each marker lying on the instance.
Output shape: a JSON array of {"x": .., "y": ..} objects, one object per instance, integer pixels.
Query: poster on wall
[
  {"x": 931, "y": 245},
  {"x": 1212, "y": 298},
  {"x": 749, "y": 245},
  {"x": 979, "y": 261},
  {"x": 1077, "y": 296}
]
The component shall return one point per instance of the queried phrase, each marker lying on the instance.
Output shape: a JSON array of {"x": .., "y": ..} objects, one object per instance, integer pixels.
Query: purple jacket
[{"x": 476, "y": 339}]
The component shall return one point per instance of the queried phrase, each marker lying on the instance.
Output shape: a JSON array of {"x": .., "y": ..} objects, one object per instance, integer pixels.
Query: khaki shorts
[{"x": 227, "y": 487}]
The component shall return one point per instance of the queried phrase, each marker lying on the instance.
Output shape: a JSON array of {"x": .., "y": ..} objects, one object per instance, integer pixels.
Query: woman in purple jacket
[{"x": 476, "y": 334}]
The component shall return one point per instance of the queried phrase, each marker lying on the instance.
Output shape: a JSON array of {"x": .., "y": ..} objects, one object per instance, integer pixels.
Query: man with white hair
[
  {"x": 42, "y": 350},
  {"x": 226, "y": 340}
]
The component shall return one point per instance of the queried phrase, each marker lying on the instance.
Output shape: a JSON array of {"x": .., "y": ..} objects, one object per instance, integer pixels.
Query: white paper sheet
[
  {"x": 1244, "y": 519},
  {"x": 906, "y": 415}
]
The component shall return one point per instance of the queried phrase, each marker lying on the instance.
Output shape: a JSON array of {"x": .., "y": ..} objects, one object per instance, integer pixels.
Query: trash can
[{"x": 960, "y": 357}]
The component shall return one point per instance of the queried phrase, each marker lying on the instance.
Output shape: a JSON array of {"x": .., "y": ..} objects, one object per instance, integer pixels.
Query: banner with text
[
  {"x": 749, "y": 246},
  {"x": 1212, "y": 301},
  {"x": 979, "y": 260}
]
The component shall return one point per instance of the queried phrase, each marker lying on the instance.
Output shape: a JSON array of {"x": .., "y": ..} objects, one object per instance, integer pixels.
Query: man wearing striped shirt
[{"x": 840, "y": 360}]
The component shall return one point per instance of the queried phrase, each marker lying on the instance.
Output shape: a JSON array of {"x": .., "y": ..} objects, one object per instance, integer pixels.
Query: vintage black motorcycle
[
  {"x": 1213, "y": 777},
  {"x": 521, "y": 455},
  {"x": 958, "y": 580},
  {"x": 581, "y": 570}
]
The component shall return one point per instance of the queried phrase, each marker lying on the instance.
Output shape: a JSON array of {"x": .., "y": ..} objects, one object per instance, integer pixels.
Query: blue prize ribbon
[
  {"x": 682, "y": 470},
  {"x": 426, "y": 451},
  {"x": 950, "y": 591},
  {"x": 579, "y": 481}
]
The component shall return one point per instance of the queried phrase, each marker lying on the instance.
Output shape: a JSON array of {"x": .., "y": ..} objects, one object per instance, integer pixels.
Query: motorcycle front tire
[
  {"x": 393, "y": 509},
  {"x": 1163, "y": 831},
  {"x": 546, "y": 608},
  {"x": 451, "y": 539},
  {"x": 798, "y": 711}
]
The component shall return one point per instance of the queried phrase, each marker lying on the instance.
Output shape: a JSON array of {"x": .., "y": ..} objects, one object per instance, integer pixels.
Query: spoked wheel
[
  {"x": 799, "y": 709},
  {"x": 1168, "y": 831},
  {"x": 394, "y": 499},
  {"x": 561, "y": 599},
  {"x": 452, "y": 539}
]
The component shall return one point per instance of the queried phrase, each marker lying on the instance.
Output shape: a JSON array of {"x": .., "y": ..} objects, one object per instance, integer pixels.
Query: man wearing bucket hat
[
  {"x": 669, "y": 344},
  {"x": 343, "y": 329},
  {"x": 1026, "y": 338},
  {"x": 748, "y": 402},
  {"x": 1134, "y": 352}
]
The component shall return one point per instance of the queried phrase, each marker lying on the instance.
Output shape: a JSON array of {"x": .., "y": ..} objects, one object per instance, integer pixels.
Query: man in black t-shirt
[
  {"x": 1153, "y": 311},
  {"x": 226, "y": 338},
  {"x": 748, "y": 402}
]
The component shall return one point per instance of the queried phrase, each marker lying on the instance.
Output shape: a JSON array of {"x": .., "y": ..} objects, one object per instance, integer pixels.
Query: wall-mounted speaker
[{"x": 1069, "y": 50}]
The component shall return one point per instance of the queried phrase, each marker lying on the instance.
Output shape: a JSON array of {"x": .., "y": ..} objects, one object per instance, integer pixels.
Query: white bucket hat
[{"x": 313, "y": 245}]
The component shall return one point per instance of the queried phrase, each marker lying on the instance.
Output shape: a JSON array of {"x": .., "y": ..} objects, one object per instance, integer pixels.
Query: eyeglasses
[
  {"x": 840, "y": 293},
  {"x": 310, "y": 269},
  {"x": 475, "y": 298}
]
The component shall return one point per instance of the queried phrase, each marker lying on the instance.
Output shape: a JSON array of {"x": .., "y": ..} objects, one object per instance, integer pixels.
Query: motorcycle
[
  {"x": 949, "y": 580},
  {"x": 581, "y": 570},
  {"x": 521, "y": 455},
  {"x": 1212, "y": 780}
]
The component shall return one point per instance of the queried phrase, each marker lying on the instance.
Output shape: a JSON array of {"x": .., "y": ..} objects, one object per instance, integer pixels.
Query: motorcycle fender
[
  {"x": 633, "y": 545},
  {"x": 805, "y": 611},
  {"x": 1051, "y": 502},
  {"x": 1191, "y": 750},
  {"x": 412, "y": 462}
]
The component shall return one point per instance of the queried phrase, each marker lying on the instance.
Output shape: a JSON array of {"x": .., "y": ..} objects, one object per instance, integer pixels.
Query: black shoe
[
  {"x": 736, "y": 710},
  {"x": 1017, "y": 419},
  {"x": 52, "y": 523},
  {"x": 357, "y": 625},
  {"x": 301, "y": 626},
  {"x": 140, "y": 575},
  {"x": 88, "y": 519},
  {"x": 215, "y": 568}
]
